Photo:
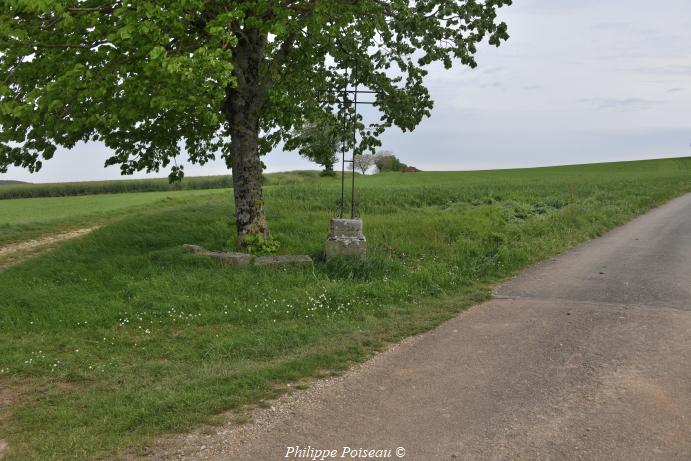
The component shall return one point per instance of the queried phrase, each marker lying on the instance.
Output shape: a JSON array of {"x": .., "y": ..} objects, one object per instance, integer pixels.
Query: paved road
[{"x": 587, "y": 356}]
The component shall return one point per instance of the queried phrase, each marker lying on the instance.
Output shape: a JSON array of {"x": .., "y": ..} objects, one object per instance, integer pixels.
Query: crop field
[
  {"x": 10, "y": 190},
  {"x": 123, "y": 186},
  {"x": 119, "y": 337}
]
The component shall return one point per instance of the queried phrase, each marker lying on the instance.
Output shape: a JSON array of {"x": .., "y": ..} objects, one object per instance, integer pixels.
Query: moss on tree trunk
[{"x": 244, "y": 101}]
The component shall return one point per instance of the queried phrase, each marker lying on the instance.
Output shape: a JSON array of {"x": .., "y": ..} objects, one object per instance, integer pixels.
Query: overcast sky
[{"x": 579, "y": 81}]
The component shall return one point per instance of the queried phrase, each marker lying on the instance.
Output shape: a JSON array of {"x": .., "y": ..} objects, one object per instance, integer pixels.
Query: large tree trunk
[
  {"x": 247, "y": 174},
  {"x": 242, "y": 107}
]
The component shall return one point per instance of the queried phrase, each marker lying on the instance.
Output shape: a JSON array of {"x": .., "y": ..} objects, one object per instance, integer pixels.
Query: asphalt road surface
[{"x": 587, "y": 356}]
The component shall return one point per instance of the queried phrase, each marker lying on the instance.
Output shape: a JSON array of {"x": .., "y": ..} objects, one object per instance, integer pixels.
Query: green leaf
[{"x": 157, "y": 52}]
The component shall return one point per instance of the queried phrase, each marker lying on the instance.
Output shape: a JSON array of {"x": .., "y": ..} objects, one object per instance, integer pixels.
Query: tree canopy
[
  {"x": 320, "y": 143},
  {"x": 218, "y": 78},
  {"x": 362, "y": 162},
  {"x": 387, "y": 161}
]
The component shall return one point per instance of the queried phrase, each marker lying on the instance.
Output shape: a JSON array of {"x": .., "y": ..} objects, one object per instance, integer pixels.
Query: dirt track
[{"x": 16, "y": 252}]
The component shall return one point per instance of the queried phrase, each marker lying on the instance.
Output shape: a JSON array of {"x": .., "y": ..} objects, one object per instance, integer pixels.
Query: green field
[
  {"x": 121, "y": 186},
  {"x": 10, "y": 190},
  {"x": 21, "y": 219},
  {"x": 120, "y": 336}
]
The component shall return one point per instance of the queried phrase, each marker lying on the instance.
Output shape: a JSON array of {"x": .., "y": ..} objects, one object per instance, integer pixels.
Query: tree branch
[{"x": 65, "y": 45}]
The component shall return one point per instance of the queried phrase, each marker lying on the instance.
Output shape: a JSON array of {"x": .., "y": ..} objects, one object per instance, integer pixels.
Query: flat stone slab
[
  {"x": 345, "y": 247},
  {"x": 230, "y": 258},
  {"x": 244, "y": 259},
  {"x": 287, "y": 260}
]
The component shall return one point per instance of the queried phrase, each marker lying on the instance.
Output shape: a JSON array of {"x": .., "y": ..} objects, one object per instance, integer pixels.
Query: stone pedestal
[{"x": 346, "y": 238}]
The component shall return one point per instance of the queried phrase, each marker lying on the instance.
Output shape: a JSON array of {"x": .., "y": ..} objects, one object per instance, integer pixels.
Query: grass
[
  {"x": 11, "y": 190},
  {"x": 118, "y": 186},
  {"x": 121, "y": 336},
  {"x": 24, "y": 219}
]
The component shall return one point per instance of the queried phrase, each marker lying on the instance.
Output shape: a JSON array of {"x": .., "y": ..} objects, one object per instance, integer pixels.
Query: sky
[{"x": 579, "y": 81}]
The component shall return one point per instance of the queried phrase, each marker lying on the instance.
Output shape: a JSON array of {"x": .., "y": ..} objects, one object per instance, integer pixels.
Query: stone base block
[
  {"x": 342, "y": 228},
  {"x": 345, "y": 247},
  {"x": 346, "y": 238}
]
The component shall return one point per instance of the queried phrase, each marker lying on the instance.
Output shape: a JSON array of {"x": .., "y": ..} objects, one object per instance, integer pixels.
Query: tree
[
  {"x": 385, "y": 160},
  {"x": 318, "y": 142},
  {"x": 216, "y": 77},
  {"x": 363, "y": 162}
]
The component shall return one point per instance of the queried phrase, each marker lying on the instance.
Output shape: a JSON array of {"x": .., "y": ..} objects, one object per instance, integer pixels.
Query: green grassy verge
[{"x": 120, "y": 336}]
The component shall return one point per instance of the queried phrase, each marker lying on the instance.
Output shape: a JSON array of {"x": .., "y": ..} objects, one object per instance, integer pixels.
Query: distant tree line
[{"x": 384, "y": 161}]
